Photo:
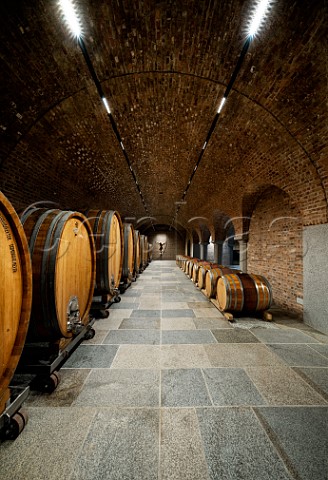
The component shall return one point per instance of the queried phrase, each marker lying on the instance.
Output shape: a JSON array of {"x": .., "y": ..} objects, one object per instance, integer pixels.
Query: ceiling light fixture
[
  {"x": 104, "y": 99},
  {"x": 261, "y": 10},
  {"x": 71, "y": 17}
]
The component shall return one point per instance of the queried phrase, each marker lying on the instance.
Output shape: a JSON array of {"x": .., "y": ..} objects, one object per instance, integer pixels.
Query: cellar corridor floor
[{"x": 168, "y": 389}]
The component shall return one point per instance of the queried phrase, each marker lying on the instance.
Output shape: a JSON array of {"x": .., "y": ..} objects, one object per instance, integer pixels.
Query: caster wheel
[
  {"x": 117, "y": 299},
  {"x": 90, "y": 334},
  {"x": 51, "y": 383},
  {"x": 16, "y": 425}
]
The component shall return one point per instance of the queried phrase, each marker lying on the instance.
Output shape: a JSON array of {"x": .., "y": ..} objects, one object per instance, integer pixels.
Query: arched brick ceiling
[{"x": 164, "y": 67}]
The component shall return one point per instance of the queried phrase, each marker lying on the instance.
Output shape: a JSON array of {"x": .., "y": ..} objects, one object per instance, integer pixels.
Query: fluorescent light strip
[
  {"x": 71, "y": 17},
  {"x": 221, "y": 104},
  {"x": 104, "y": 99},
  {"x": 261, "y": 11}
]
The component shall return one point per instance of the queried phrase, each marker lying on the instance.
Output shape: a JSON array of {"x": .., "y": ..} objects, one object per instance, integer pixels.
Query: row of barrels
[
  {"x": 234, "y": 291},
  {"x": 52, "y": 264}
]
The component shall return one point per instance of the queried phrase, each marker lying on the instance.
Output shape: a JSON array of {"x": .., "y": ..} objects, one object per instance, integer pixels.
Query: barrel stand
[
  {"x": 14, "y": 418},
  {"x": 125, "y": 283},
  {"x": 101, "y": 303},
  {"x": 40, "y": 362},
  {"x": 264, "y": 315}
]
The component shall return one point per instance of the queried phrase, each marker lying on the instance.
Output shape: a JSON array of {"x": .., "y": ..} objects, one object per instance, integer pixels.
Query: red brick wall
[{"x": 275, "y": 247}]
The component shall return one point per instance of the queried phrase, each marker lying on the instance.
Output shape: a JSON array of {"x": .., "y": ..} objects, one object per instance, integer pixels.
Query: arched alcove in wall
[{"x": 275, "y": 247}]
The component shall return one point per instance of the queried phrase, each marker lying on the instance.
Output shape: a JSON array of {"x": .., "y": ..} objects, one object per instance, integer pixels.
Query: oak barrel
[
  {"x": 211, "y": 279},
  {"x": 202, "y": 274},
  {"x": 129, "y": 252},
  {"x": 63, "y": 262},
  {"x": 15, "y": 294},
  {"x": 195, "y": 269},
  {"x": 137, "y": 246},
  {"x": 107, "y": 229},
  {"x": 244, "y": 292}
]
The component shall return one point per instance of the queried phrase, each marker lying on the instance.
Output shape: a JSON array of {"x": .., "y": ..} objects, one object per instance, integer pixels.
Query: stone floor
[{"x": 168, "y": 389}]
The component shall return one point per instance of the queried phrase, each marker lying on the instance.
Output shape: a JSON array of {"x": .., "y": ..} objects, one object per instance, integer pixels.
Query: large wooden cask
[
  {"x": 15, "y": 294},
  {"x": 239, "y": 292},
  {"x": 107, "y": 229},
  {"x": 211, "y": 279},
  {"x": 63, "y": 262},
  {"x": 129, "y": 252},
  {"x": 137, "y": 246}
]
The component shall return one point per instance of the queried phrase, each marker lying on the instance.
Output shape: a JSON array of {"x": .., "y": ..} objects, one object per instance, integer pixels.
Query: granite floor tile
[
  {"x": 125, "y": 304},
  {"x": 235, "y": 335},
  {"x": 322, "y": 349},
  {"x": 208, "y": 312},
  {"x": 317, "y": 377},
  {"x": 120, "y": 313},
  {"x": 301, "y": 434},
  {"x": 231, "y": 386},
  {"x": 92, "y": 356},
  {"x": 108, "y": 323},
  {"x": 299, "y": 355},
  {"x": 71, "y": 384},
  {"x": 282, "y": 336},
  {"x": 282, "y": 386},
  {"x": 177, "y": 313},
  {"x": 137, "y": 356},
  {"x": 133, "y": 292},
  {"x": 182, "y": 452},
  {"x": 184, "y": 388},
  {"x": 180, "y": 323},
  {"x": 145, "y": 313},
  {"x": 121, "y": 444},
  {"x": 170, "y": 337},
  {"x": 236, "y": 446},
  {"x": 143, "y": 337},
  {"x": 176, "y": 306},
  {"x": 98, "y": 338},
  {"x": 212, "y": 323},
  {"x": 241, "y": 355},
  {"x": 184, "y": 356},
  {"x": 48, "y": 446},
  {"x": 200, "y": 304},
  {"x": 321, "y": 337},
  {"x": 148, "y": 305},
  {"x": 143, "y": 323},
  {"x": 121, "y": 388}
]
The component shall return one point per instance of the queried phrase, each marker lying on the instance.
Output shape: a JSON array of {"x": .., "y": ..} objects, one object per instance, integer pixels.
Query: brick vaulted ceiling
[{"x": 164, "y": 66}]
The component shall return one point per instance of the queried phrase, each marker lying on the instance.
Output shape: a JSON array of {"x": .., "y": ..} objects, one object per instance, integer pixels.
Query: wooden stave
[
  {"x": 202, "y": 274},
  {"x": 195, "y": 269},
  {"x": 102, "y": 220},
  {"x": 211, "y": 277},
  {"x": 19, "y": 240},
  {"x": 48, "y": 227},
  {"x": 129, "y": 252},
  {"x": 137, "y": 250}
]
